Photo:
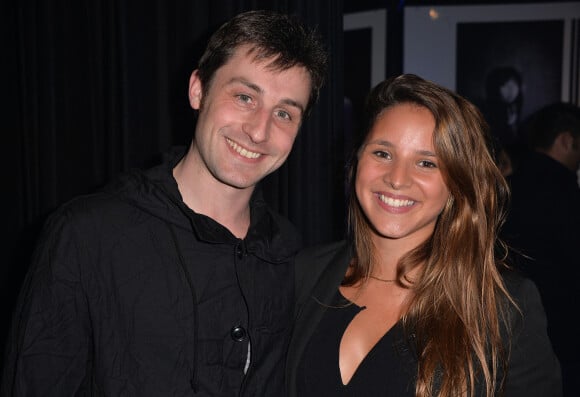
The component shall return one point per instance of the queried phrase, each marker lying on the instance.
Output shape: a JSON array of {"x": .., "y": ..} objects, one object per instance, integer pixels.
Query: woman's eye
[
  {"x": 427, "y": 164},
  {"x": 382, "y": 154}
]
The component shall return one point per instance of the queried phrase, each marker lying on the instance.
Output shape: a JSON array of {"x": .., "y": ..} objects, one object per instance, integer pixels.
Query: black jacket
[
  {"x": 133, "y": 294},
  {"x": 533, "y": 367}
]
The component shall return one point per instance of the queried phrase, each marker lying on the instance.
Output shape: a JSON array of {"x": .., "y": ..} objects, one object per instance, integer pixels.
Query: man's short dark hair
[
  {"x": 543, "y": 126},
  {"x": 281, "y": 37}
]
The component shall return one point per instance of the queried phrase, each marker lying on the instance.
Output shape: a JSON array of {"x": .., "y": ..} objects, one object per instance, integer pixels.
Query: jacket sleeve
[
  {"x": 533, "y": 369},
  {"x": 47, "y": 349}
]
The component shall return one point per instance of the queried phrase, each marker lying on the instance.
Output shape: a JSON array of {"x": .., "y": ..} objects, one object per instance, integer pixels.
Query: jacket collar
[{"x": 270, "y": 236}]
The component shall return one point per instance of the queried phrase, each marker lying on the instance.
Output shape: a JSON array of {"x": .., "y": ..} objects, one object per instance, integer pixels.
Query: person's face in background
[
  {"x": 504, "y": 163},
  {"x": 576, "y": 153},
  {"x": 509, "y": 91}
]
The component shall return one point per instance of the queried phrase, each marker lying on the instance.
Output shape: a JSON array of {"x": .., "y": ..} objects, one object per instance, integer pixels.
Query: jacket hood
[{"x": 155, "y": 191}]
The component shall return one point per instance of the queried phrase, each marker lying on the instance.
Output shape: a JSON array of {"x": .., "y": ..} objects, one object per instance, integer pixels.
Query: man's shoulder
[
  {"x": 113, "y": 202},
  {"x": 108, "y": 198}
]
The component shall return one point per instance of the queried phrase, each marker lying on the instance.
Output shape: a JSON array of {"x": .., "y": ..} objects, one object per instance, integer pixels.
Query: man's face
[
  {"x": 575, "y": 153},
  {"x": 248, "y": 118}
]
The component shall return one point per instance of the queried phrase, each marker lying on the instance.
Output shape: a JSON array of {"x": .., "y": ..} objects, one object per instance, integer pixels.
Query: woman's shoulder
[
  {"x": 316, "y": 258},
  {"x": 526, "y": 310},
  {"x": 533, "y": 367},
  {"x": 322, "y": 251},
  {"x": 322, "y": 265},
  {"x": 520, "y": 287}
]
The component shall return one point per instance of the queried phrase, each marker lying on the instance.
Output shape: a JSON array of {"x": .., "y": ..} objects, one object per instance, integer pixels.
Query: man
[
  {"x": 177, "y": 281},
  {"x": 543, "y": 225}
]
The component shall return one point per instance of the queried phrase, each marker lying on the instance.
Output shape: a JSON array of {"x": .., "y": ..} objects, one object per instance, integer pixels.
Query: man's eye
[
  {"x": 244, "y": 98},
  {"x": 283, "y": 115}
]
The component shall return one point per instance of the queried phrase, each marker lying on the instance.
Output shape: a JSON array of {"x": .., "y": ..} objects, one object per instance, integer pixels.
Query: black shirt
[{"x": 387, "y": 370}]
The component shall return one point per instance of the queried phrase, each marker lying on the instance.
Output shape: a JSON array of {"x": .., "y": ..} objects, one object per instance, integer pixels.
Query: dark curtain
[{"x": 93, "y": 88}]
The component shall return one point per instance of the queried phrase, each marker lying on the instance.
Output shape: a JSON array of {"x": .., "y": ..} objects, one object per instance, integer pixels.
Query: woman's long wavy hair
[{"x": 459, "y": 302}]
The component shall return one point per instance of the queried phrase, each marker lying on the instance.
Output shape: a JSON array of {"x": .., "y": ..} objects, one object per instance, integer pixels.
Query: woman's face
[
  {"x": 398, "y": 181},
  {"x": 509, "y": 91}
]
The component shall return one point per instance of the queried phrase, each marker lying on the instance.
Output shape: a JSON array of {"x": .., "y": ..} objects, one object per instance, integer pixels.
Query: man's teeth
[
  {"x": 243, "y": 152},
  {"x": 395, "y": 202}
]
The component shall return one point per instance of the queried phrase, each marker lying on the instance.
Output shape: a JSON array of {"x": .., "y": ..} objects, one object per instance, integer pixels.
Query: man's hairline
[{"x": 253, "y": 47}]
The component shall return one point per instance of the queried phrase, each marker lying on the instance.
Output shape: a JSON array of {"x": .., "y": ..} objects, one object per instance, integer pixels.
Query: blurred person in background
[{"x": 543, "y": 225}]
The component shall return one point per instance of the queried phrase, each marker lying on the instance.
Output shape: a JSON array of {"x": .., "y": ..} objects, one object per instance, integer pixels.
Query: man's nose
[{"x": 257, "y": 127}]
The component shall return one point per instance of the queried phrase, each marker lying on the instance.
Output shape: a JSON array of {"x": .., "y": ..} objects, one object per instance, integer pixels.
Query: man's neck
[
  {"x": 558, "y": 156},
  {"x": 205, "y": 195}
]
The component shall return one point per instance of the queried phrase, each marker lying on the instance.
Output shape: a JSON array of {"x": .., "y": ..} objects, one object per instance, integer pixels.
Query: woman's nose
[{"x": 398, "y": 175}]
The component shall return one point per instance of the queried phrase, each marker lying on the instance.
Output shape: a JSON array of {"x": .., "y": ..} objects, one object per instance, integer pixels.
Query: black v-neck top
[
  {"x": 385, "y": 371},
  {"x": 312, "y": 360}
]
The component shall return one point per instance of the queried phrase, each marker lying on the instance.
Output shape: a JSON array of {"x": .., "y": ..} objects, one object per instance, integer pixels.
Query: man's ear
[
  {"x": 565, "y": 150},
  {"x": 195, "y": 90},
  {"x": 566, "y": 141}
]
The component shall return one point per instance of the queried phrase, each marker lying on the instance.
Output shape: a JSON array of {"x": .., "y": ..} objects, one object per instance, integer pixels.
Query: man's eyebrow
[
  {"x": 250, "y": 85},
  {"x": 293, "y": 103},
  {"x": 256, "y": 88}
]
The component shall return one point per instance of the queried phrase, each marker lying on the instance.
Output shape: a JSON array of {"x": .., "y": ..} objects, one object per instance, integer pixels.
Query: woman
[
  {"x": 417, "y": 301},
  {"x": 503, "y": 103}
]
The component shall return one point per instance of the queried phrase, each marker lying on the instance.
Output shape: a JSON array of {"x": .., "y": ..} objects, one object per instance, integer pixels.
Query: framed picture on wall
[
  {"x": 364, "y": 63},
  {"x": 510, "y": 60},
  {"x": 461, "y": 47}
]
